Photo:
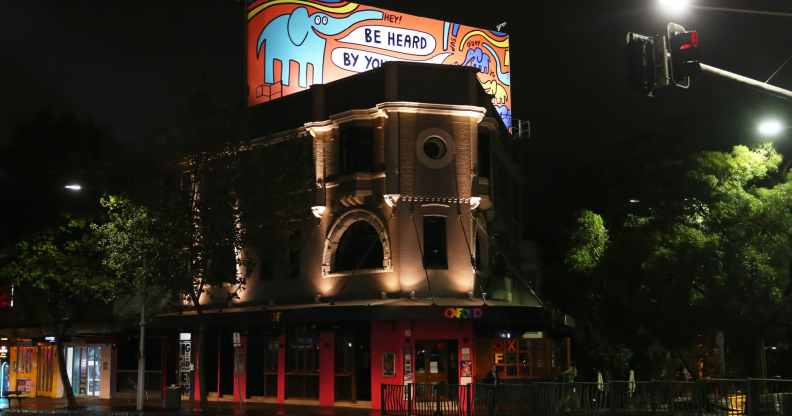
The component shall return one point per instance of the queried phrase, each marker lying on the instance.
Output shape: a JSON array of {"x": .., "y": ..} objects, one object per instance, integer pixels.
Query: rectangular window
[
  {"x": 295, "y": 244},
  {"x": 526, "y": 358},
  {"x": 483, "y": 153},
  {"x": 356, "y": 147},
  {"x": 434, "y": 242},
  {"x": 302, "y": 364}
]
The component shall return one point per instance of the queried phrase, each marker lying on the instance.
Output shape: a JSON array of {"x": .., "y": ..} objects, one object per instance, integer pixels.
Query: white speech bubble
[
  {"x": 356, "y": 60},
  {"x": 394, "y": 39}
]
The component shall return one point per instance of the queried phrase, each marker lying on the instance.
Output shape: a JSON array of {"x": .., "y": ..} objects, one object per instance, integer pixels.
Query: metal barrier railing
[
  {"x": 427, "y": 399},
  {"x": 716, "y": 397}
]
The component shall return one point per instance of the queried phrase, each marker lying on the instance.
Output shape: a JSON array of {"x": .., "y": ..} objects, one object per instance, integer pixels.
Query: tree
[
  {"x": 64, "y": 268},
  {"x": 138, "y": 247},
  {"x": 588, "y": 243},
  {"x": 184, "y": 242},
  {"x": 715, "y": 259}
]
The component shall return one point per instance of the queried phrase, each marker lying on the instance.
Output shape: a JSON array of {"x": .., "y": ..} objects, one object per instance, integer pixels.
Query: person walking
[
  {"x": 570, "y": 374},
  {"x": 492, "y": 376},
  {"x": 492, "y": 380}
]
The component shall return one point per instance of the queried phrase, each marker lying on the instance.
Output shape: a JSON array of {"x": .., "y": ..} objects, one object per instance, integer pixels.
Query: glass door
[
  {"x": 85, "y": 369},
  {"x": 94, "y": 371}
]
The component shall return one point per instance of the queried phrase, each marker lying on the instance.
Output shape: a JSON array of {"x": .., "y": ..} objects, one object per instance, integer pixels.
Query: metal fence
[
  {"x": 427, "y": 399},
  {"x": 715, "y": 397}
]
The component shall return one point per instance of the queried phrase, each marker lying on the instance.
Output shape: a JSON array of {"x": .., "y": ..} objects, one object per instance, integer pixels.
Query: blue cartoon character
[
  {"x": 505, "y": 114},
  {"x": 295, "y": 37},
  {"x": 477, "y": 58}
]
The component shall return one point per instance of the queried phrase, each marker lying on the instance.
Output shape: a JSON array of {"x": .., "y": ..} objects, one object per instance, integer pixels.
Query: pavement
[{"x": 122, "y": 407}]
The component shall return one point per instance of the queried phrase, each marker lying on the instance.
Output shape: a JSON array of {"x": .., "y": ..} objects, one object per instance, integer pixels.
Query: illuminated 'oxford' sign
[
  {"x": 292, "y": 44},
  {"x": 463, "y": 313}
]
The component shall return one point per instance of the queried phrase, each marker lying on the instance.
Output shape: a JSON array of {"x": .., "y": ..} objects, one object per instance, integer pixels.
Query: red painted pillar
[
  {"x": 197, "y": 362},
  {"x": 387, "y": 336},
  {"x": 220, "y": 364},
  {"x": 164, "y": 370},
  {"x": 240, "y": 369},
  {"x": 326, "y": 368},
  {"x": 281, "y": 368}
]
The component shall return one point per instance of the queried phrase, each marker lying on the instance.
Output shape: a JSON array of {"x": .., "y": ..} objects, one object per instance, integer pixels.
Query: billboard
[{"x": 292, "y": 44}]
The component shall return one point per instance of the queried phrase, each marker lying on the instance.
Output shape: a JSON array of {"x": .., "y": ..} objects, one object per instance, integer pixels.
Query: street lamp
[
  {"x": 674, "y": 7},
  {"x": 770, "y": 128},
  {"x": 73, "y": 187}
]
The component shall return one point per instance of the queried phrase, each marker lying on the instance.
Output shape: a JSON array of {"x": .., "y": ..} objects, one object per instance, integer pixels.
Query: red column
[
  {"x": 240, "y": 369},
  {"x": 387, "y": 336},
  {"x": 164, "y": 368},
  {"x": 281, "y": 368},
  {"x": 196, "y": 349},
  {"x": 326, "y": 368}
]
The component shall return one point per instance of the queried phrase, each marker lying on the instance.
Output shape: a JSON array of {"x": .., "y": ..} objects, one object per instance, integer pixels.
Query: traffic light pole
[
  {"x": 743, "y": 11},
  {"x": 762, "y": 86}
]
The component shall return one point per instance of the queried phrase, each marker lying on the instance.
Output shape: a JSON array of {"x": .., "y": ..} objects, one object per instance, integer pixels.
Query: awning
[{"x": 476, "y": 310}]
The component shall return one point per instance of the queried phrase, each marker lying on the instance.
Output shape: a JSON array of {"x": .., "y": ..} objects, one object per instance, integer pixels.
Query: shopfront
[
  {"x": 4, "y": 370},
  {"x": 342, "y": 356}
]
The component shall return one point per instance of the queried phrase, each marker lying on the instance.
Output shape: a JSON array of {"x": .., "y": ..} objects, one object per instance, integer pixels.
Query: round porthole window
[{"x": 435, "y": 148}]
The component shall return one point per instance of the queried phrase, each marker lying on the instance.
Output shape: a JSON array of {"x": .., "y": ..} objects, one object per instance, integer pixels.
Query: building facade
[{"x": 408, "y": 267}]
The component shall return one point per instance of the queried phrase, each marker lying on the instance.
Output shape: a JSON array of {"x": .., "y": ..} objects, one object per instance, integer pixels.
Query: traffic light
[
  {"x": 684, "y": 54},
  {"x": 646, "y": 60}
]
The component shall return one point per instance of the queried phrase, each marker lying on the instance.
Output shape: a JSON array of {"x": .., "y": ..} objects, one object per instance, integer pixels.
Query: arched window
[
  {"x": 359, "y": 248},
  {"x": 358, "y": 240}
]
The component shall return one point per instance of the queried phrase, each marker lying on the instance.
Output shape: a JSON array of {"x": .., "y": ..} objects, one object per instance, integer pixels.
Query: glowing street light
[
  {"x": 674, "y": 7},
  {"x": 770, "y": 128},
  {"x": 74, "y": 187}
]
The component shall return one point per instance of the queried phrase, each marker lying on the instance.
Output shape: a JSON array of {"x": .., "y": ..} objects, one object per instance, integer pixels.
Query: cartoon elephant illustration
[
  {"x": 496, "y": 90},
  {"x": 477, "y": 58},
  {"x": 504, "y": 77},
  {"x": 295, "y": 37}
]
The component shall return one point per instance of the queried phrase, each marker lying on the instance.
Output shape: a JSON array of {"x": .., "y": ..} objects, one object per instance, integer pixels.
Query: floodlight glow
[
  {"x": 770, "y": 128},
  {"x": 675, "y": 7},
  {"x": 73, "y": 187}
]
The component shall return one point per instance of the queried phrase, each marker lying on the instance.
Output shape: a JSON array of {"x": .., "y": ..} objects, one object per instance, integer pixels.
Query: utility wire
[
  {"x": 779, "y": 69},
  {"x": 421, "y": 251},
  {"x": 464, "y": 233},
  {"x": 744, "y": 11}
]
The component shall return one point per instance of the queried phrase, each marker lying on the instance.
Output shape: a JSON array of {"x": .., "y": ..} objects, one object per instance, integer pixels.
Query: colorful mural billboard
[{"x": 292, "y": 44}]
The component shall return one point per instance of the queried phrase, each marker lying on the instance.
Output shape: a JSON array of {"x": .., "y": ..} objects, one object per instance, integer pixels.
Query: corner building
[{"x": 395, "y": 278}]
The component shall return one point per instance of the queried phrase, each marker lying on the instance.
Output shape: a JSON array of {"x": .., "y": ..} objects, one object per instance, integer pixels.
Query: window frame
[{"x": 435, "y": 264}]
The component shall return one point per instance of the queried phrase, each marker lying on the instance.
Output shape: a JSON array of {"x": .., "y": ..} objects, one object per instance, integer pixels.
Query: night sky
[{"x": 132, "y": 66}]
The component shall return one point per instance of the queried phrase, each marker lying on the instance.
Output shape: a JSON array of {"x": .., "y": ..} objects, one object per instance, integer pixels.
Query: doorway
[
  {"x": 84, "y": 368},
  {"x": 436, "y": 362},
  {"x": 353, "y": 363}
]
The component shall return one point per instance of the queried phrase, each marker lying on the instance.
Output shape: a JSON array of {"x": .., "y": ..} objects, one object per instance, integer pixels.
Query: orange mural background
[{"x": 323, "y": 41}]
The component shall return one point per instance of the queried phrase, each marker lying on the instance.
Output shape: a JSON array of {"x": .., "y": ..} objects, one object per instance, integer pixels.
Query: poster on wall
[
  {"x": 466, "y": 368},
  {"x": 408, "y": 368},
  {"x": 465, "y": 353},
  {"x": 24, "y": 385},
  {"x": 292, "y": 44}
]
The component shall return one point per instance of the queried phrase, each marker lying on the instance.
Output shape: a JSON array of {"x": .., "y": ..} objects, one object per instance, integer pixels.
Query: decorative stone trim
[
  {"x": 432, "y": 199},
  {"x": 337, "y": 231}
]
